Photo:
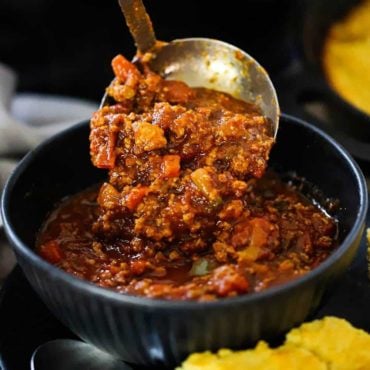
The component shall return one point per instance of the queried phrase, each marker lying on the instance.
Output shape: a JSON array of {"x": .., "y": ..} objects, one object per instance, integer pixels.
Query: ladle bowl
[
  {"x": 203, "y": 62},
  {"x": 220, "y": 66}
]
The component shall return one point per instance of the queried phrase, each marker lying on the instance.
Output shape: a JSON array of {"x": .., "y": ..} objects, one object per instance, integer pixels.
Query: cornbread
[
  {"x": 346, "y": 56},
  {"x": 262, "y": 358},
  {"x": 331, "y": 343}
]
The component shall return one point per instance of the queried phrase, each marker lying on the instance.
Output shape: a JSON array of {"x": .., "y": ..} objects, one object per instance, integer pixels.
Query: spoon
[
  {"x": 203, "y": 62},
  {"x": 68, "y": 354}
]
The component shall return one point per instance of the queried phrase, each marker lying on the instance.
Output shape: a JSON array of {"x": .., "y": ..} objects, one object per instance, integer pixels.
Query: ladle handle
[{"x": 139, "y": 24}]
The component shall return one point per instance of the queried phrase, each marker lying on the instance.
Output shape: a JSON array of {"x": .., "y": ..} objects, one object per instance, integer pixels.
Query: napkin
[{"x": 25, "y": 120}]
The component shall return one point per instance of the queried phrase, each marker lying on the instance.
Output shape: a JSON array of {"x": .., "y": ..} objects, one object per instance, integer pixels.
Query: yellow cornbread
[
  {"x": 261, "y": 358},
  {"x": 334, "y": 341},
  {"x": 327, "y": 344},
  {"x": 346, "y": 56}
]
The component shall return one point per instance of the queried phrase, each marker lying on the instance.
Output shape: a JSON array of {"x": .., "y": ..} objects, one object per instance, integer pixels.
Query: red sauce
[{"x": 284, "y": 237}]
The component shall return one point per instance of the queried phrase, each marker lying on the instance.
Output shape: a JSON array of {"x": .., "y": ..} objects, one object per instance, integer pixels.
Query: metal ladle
[{"x": 202, "y": 62}]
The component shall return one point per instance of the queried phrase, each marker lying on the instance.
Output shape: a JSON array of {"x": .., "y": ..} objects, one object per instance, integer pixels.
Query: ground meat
[
  {"x": 176, "y": 156},
  {"x": 271, "y": 235}
]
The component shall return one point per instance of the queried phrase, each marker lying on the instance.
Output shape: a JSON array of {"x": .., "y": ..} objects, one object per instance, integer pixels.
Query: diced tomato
[
  {"x": 171, "y": 166},
  {"x": 128, "y": 75},
  {"x": 122, "y": 67},
  {"x": 138, "y": 267},
  {"x": 114, "y": 269},
  {"x": 51, "y": 251},
  {"x": 253, "y": 235},
  {"x": 241, "y": 234},
  {"x": 261, "y": 229},
  {"x": 176, "y": 92},
  {"x": 252, "y": 232},
  {"x": 103, "y": 152},
  {"x": 135, "y": 196},
  {"x": 227, "y": 279}
]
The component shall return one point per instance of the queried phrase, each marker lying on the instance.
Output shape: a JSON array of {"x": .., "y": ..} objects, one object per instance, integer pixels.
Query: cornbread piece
[
  {"x": 334, "y": 341},
  {"x": 261, "y": 358},
  {"x": 346, "y": 55},
  {"x": 327, "y": 344}
]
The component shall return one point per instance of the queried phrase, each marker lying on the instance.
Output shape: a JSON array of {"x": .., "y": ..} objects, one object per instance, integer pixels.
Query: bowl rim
[{"x": 161, "y": 304}]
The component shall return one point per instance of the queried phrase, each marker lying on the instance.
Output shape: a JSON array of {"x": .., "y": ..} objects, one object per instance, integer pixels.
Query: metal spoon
[
  {"x": 68, "y": 354},
  {"x": 202, "y": 62}
]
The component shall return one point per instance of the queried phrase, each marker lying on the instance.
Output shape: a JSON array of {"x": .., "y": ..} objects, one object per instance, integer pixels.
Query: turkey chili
[{"x": 188, "y": 211}]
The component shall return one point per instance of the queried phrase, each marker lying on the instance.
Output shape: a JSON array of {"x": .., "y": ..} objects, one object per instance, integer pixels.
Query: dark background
[{"x": 65, "y": 47}]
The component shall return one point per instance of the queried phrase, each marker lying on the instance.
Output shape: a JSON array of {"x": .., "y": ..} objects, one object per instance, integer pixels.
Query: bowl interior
[
  {"x": 324, "y": 164},
  {"x": 61, "y": 166}
]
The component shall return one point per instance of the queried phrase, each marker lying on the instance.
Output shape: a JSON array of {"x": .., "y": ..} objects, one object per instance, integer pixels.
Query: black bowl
[{"x": 156, "y": 332}]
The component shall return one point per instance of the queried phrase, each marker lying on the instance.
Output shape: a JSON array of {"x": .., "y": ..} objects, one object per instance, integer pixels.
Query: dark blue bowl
[{"x": 156, "y": 332}]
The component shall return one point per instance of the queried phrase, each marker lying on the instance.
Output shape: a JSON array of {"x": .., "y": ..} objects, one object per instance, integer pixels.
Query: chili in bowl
[
  {"x": 189, "y": 244},
  {"x": 188, "y": 210}
]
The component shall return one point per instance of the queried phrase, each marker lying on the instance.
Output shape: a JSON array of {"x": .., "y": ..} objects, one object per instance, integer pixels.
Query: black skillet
[{"x": 303, "y": 89}]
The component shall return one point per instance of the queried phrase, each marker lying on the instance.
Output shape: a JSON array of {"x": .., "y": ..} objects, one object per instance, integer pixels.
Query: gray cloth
[
  {"x": 25, "y": 121},
  {"x": 28, "y": 119}
]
